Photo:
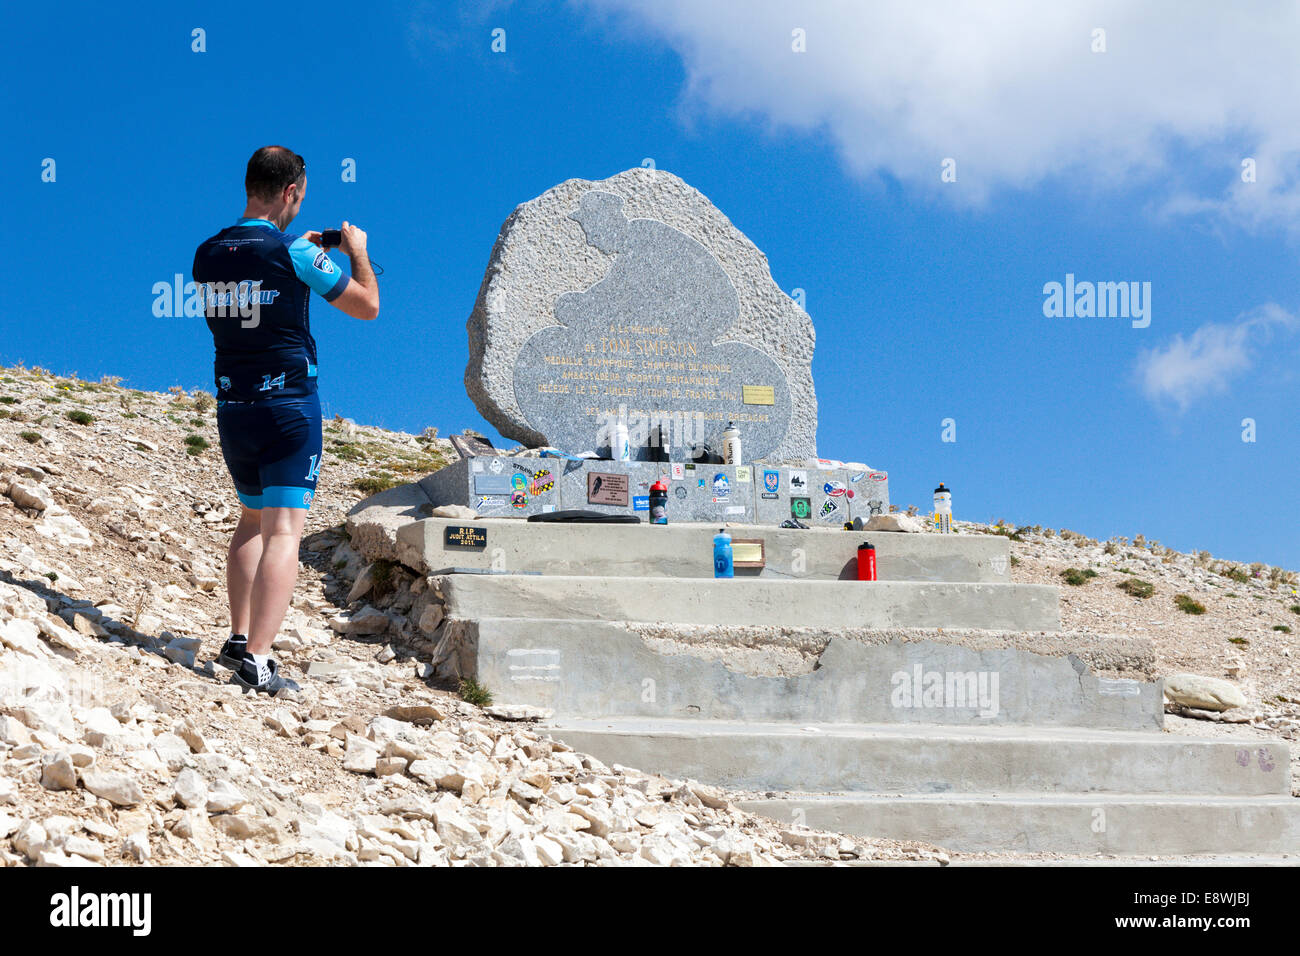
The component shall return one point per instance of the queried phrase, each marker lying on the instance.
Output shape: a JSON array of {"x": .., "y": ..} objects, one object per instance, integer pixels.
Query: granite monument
[{"x": 635, "y": 298}]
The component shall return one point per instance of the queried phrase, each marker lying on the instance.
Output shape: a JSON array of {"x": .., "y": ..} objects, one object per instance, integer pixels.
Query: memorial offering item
[
  {"x": 866, "y": 561},
  {"x": 723, "y": 562},
  {"x": 659, "y": 503},
  {"x": 943, "y": 509},
  {"x": 731, "y": 452},
  {"x": 635, "y": 298}
]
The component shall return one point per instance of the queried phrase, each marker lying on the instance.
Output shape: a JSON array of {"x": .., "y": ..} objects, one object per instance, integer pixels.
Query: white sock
[{"x": 263, "y": 669}]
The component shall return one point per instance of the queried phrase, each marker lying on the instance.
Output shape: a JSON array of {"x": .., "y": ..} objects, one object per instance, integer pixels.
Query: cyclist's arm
[
  {"x": 358, "y": 296},
  {"x": 361, "y": 297}
]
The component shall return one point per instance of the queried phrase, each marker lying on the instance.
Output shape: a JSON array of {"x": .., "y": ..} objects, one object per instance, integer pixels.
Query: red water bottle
[{"x": 866, "y": 562}]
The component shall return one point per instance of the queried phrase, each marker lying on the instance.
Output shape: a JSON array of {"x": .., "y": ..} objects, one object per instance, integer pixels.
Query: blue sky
[{"x": 1119, "y": 164}]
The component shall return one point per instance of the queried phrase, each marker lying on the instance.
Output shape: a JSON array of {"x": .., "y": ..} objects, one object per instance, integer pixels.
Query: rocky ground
[
  {"x": 1219, "y": 619},
  {"x": 122, "y": 743}
]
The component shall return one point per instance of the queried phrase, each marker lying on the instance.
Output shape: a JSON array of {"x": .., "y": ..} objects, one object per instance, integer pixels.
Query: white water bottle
[
  {"x": 731, "y": 444},
  {"x": 620, "y": 450},
  {"x": 943, "y": 509}
]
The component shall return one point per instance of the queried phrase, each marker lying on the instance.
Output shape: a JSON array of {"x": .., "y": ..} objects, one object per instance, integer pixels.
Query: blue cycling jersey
[{"x": 256, "y": 282}]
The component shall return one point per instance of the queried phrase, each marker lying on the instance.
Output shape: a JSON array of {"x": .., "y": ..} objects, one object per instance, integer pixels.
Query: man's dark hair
[{"x": 271, "y": 169}]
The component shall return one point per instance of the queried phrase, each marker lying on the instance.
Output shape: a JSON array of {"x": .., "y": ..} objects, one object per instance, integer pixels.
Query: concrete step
[
  {"x": 592, "y": 669},
  {"x": 932, "y": 759},
  {"x": 686, "y": 551},
  {"x": 1148, "y": 824},
  {"x": 1014, "y": 607}
]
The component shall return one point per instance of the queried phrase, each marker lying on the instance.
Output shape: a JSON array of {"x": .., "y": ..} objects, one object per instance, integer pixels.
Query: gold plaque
[
  {"x": 758, "y": 394},
  {"x": 747, "y": 553}
]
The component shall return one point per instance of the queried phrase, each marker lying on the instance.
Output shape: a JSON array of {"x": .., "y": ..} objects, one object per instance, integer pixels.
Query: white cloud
[
  {"x": 1011, "y": 89},
  {"x": 1187, "y": 369}
]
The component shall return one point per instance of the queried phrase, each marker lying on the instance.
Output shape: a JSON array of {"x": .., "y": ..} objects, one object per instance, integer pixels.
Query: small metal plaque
[
  {"x": 492, "y": 485},
  {"x": 758, "y": 394},
  {"x": 607, "y": 489},
  {"x": 463, "y": 536},
  {"x": 747, "y": 553}
]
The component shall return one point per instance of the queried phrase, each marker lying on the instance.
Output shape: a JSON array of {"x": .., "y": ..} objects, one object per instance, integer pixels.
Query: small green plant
[
  {"x": 52, "y": 575},
  {"x": 1284, "y": 628},
  {"x": 376, "y": 482},
  {"x": 472, "y": 692},
  {"x": 30, "y": 437},
  {"x": 1239, "y": 640},
  {"x": 1188, "y": 605},
  {"x": 1077, "y": 577},
  {"x": 381, "y": 572},
  {"x": 340, "y": 563},
  {"x": 197, "y": 422},
  {"x": 1015, "y": 562},
  {"x": 1295, "y": 608},
  {"x": 196, "y": 444},
  {"x": 80, "y": 417},
  {"x": 346, "y": 451},
  {"x": 8, "y": 400},
  {"x": 1137, "y": 587}
]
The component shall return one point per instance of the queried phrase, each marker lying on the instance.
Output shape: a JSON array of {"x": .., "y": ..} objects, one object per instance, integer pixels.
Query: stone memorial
[{"x": 636, "y": 298}]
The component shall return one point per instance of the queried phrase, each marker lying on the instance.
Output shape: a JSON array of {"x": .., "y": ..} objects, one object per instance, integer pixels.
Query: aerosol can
[
  {"x": 731, "y": 444},
  {"x": 943, "y": 509},
  {"x": 659, "y": 502},
  {"x": 723, "y": 562}
]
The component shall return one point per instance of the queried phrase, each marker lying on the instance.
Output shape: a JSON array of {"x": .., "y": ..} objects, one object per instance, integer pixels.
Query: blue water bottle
[{"x": 723, "y": 567}]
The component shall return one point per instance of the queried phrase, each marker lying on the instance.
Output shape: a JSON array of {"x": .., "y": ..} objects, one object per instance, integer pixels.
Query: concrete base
[
  {"x": 929, "y": 758},
  {"x": 686, "y": 551},
  {"x": 594, "y": 669},
  {"x": 1058, "y": 823},
  {"x": 1013, "y": 607}
]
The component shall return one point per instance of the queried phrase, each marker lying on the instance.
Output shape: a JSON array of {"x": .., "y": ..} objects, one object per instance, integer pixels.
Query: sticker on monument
[
  {"x": 734, "y": 510},
  {"x": 771, "y": 482},
  {"x": 488, "y": 503},
  {"x": 492, "y": 485},
  {"x": 701, "y": 483},
  {"x": 641, "y": 503},
  {"x": 878, "y": 476},
  {"x": 799, "y": 482},
  {"x": 496, "y": 466},
  {"x": 680, "y": 492},
  {"x": 800, "y": 507},
  {"x": 742, "y": 474},
  {"x": 835, "y": 489},
  {"x": 547, "y": 509},
  {"x": 829, "y": 507},
  {"x": 721, "y": 487},
  {"x": 679, "y": 471},
  {"x": 460, "y": 536},
  {"x": 875, "y": 506},
  {"x": 476, "y": 466},
  {"x": 688, "y": 466},
  {"x": 858, "y": 477},
  {"x": 607, "y": 489},
  {"x": 519, "y": 499},
  {"x": 758, "y": 394},
  {"x": 541, "y": 482}
]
